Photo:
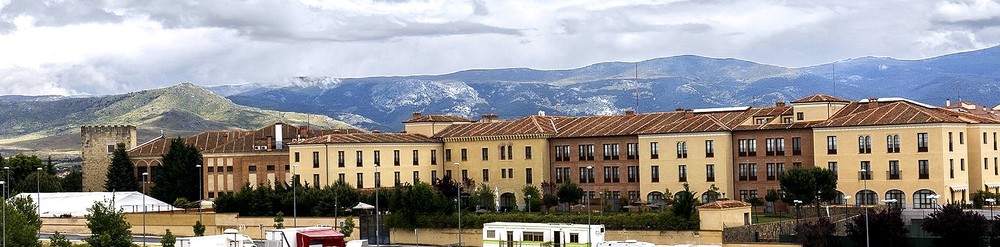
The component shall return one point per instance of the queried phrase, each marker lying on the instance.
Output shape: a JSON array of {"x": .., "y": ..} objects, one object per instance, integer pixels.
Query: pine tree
[
  {"x": 59, "y": 240},
  {"x": 168, "y": 239},
  {"x": 108, "y": 226},
  {"x": 22, "y": 222},
  {"x": 178, "y": 175},
  {"x": 198, "y": 228},
  {"x": 120, "y": 174},
  {"x": 73, "y": 182},
  {"x": 279, "y": 221},
  {"x": 50, "y": 167}
]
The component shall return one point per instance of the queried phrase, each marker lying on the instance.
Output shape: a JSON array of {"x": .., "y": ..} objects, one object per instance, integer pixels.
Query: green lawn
[{"x": 761, "y": 218}]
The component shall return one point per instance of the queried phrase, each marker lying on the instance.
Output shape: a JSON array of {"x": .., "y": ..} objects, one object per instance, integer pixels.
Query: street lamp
[
  {"x": 4, "y": 184},
  {"x": 144, "y": 175},
  {"x": 846, "y": 198},
  {"x": 6, "y": 170},
  {"x": 866, "y": 195},
  {"x": 295, "y": 207},
  {"x": 378, "y": 183},
  {"x": 529, "y": 204},
  {"x": 458, "y": 200},
  {"x": 200, "y": 192},
  {"x": 890, "y": 202},
  {"x": 38, "y": 188},
  {"x": 590, "y": 169},
  {"x": 992, "y": 202}
]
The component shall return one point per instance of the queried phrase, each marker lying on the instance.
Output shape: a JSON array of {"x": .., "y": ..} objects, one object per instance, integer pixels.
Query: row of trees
[
  {"x": 177, "y": 172},
  {"x": 25, "y": 177}
]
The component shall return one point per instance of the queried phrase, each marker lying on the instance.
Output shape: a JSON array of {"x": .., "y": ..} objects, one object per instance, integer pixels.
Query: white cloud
[{"x": 114, "y": 46}]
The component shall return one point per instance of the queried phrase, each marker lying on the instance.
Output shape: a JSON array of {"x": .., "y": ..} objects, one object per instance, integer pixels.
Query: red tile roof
[
  {"x": 721, "y": 204},
  {"x": 820, "y": 98},
  {"x": 530, "y": 125},
  {"x": 369, "y": 138},
  {"x": 896, "y": 112},
  {"x": 231, "y": 141},
  {"x": 613, "y": 125},
  {"x": 437, "y": 118}
]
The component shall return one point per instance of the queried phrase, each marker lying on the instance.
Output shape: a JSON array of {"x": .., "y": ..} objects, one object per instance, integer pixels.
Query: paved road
[{"x": 80, "y": 237}]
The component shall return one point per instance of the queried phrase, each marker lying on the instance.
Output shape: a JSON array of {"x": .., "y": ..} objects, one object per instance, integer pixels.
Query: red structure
[{"x": 325, "y": 238}]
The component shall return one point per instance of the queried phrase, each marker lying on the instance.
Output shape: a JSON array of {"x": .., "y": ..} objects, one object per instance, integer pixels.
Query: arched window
[
  {"x": 709, "y": 196},
  {"x": 897, "y": 195},
  {"x": 922, "y": 199},
  {"x": 655, "y": 198},
  {"x": 866, "y": 197},
  {"x": 840, "y": 200}
]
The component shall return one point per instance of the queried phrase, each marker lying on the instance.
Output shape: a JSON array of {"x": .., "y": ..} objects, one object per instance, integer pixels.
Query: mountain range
[
  {"x": 52, "y": 123},
  {"x": 660, "y": 84}
]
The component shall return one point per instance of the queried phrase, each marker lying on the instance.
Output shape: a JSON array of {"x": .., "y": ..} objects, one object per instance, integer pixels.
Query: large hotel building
[{"x": 879, "y": 149}]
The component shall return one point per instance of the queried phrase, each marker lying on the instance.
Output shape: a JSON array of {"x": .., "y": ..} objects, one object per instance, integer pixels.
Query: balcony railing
[
  {"x": 894, "y": 175},
  {"x": 865, "y": 176}
]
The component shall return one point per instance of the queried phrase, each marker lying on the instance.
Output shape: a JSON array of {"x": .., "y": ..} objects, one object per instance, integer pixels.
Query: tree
[
  {"x": 22, "y": 222},
  {"x": 178, "y": 172},
  {"x": 684, "y": 203},
  {"x": 20, "y": 167},
  {"x": 58, "y": 240},
  {"x": 483, "y": 198},
  {"x": 50, "y": 167},
  {"x": 348, "y": 227},
  {"x": 754, "y": 203},
  {"x": 532, "y": 199},
  {"x": 107, "y": 225},
  {"x": 818, "y": 233},
  {"x": 168, "y": 239},
  {"x": 120, "y": 175},
  {"x": 40, "y": 181},
  {"x": 199, "y": 229},
  {"x": 569, "y": 193},
  {"x": 770, "y": 198},
  {"x": 808, "y": 185},
  {"x": 73, "y": 182},
  {"x": 979, "y": 198},
  {"x": 279, "y": 220},
  {"x": 955, "y": 226},
  {"x": 886, "y": 225}
]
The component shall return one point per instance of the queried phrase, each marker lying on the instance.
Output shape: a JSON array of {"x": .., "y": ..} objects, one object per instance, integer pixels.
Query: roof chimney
[
  {"x": 277, "y": 136},
  {"x": 629, "y": 112},
  {"x": 779, "y": 103},
  {"x": 678, "y": 109},
  {"x": 417, "y": 114},
  {"x": 303, "y": 131},
  {"x": 541, "y": 113},
  {"x": 688, "y": 114},
  {"x": 489, "y": 118},
  {"x": 947, "y": 102},
  {"x": 872, "y": 102}
]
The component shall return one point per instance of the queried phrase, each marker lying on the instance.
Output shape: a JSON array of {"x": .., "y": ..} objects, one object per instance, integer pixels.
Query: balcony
[
  {"x": 865, "y": 176},
  {"x": 894, "y": 175}
]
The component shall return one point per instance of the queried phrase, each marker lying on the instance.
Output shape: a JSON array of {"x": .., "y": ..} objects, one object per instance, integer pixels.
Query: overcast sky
[{"x": 106, "y": 46}]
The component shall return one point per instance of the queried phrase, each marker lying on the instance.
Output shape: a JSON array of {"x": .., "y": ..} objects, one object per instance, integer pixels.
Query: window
[
  {"x": 779, "y": 147},
  {"x": 562, "y": 153},
  {"x": 566, "y": 174},
  {"x": 486, "y": 175},
  {"x": 832, "y": 166},
  {"x": 252, "y": 168},
  {"x": 465, "y": 154},
  {"x": 416, "y": 157},
  {"x": 611, "y": 151},
  {"x": 710, "y": 172},
  {"x": 586, "y": 152},
  {"x": 340, "y": 158},
  {"x": 270, "y": 168},
  {"x": 434, "y": 175},
  {"x": 615, "y": 175},
  {"x": 744, "y": 195},
  {"x": 921, "y": 142},
  {"x": 994, "y": 141},
  {"x": 447, "y": 155},
  {"x": 654, "y": 150},
  {"x": 894, "y": 169},
  {"x": 892, "y": 143},
  {"x": 315, "y": 179},
  {"x": 866, "y": 170},
  {"x": 533, "y": 237},
  {"x": 361, "y": 180},
  {"x": 961, "y": 164},
  {"x": 709, "y": 148},
  {"x": 742, "y": 147},
  {"x": 111, "y": 148},
  {"x": 864, "y": 144},
  {"x": 583, "y": 177},
  {"x": 607, "y": 174},
  {"x": 752, "y": 147},
  {"x": 796, "y": 145},
  {"x": 378, "y": 158},
  {"x": 951, "y": 171},
  {"x": 315, "y": 159},
  {"x": 752, "y": 169},
  {"x": 465, "y": 174},
  {"x": 558, "y": 173},
  {"x": 510, "y": 152},
  {"x": 950, "y": 146},
  {"x": 682, "y": 151},
  {"x": 654, "y": 174},
  {"x": 743, "y": 172},
  {"x": 770, "y": 171},
  {"x": 296, "y": 156},
  {"x": 831, "y": 145},
  {"x": 866, "y": 197},
  {"x": 503, "y": 152},
  {"x": 682, "y": 173},
  {"x": 434, "y": 157},
  {"x": 510, "y": 172},
  {"x": 574, "y": 237},
  {"x": 395, "y": 157},
  {"x": 527, "y": 152},
  {"x": 416, "y": 177},
  {"x": 922, "y": 199},
  {"x": 632, "y": 151},
  {"x": 799, "y": 116},
  {"x": 360, "y": 158},
  {"x": 769, "y": 147},
  {"x": 228, "y": 169},
  {"x": 341, "y": 178},
  {"x": 633, "y": 174},
  {"x": 486, "y": 153},
  {"x": 961, "y": 137},
  {"x": 786, "y": 120},
  {"x": 528, "y": 176},
  {"x": 378, "y": 180}
]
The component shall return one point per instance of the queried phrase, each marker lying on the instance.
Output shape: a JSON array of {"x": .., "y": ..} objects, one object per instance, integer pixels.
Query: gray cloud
[{"x": 58, "y": 13}]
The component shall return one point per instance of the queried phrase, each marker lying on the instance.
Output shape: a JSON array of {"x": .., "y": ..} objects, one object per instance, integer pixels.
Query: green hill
[{"x": 54, "y": 125}]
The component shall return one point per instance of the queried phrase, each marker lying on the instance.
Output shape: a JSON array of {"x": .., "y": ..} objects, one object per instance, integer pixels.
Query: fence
[{"x": 771, "y": 232}]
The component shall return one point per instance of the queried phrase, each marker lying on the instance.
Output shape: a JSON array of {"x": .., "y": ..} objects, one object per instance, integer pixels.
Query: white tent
[
  {"x": 77, "y": 203},
  {"x": 364, "y": 206}
]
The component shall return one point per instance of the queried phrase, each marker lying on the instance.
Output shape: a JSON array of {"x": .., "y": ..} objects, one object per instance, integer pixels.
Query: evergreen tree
[
  {"x": 279, "y": 220},
  {"x": 168, "y": 239},
  {"x": 40, "y": 181},
  {"x": 534, "y": 202},
  {"x": 348, "y": 227},
  {"x": 108, "y": 226},
  {"x": 120, "y": 176},
  {"x": 198, "y": 229},
  {"x": 73, "y": 182},
  {"x": 684, "y": 203},
  {"x": 22, "y": 222},
  {"x": 178, "y": 173},
  {"x": 21, "y": 166},
  {"x": 50, "y": 167},
  {"x": 59, "y": 240},
  {"x": 956, "y": 227}
]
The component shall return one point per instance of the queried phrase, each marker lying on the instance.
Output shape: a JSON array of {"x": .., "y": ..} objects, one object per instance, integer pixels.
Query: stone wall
[{"x": 95, "y": 151}]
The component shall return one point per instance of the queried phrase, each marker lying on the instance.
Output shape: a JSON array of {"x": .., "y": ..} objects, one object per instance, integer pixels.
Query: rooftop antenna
[
  {"x": 637, "y": 87},
  {"x": 834, "y": 78}
]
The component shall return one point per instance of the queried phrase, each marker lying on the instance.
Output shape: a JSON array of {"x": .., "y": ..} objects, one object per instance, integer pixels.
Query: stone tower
[{"x": 99, "y": 142}]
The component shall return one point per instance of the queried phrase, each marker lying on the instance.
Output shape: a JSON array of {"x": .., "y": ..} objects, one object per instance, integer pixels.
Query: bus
[{"x": 512, "y": 234}]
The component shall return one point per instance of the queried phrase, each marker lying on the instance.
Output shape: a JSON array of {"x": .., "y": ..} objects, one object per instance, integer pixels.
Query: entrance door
[
  {"x": 557, "y": 239},
  {"x": 510, "y": 239}
]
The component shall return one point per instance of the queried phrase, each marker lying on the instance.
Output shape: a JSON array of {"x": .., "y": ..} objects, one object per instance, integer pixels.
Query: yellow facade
[
  {"x": 327, "y": 169},
  {"x": 984, "y": 158},
  {"x": 816, "y": 111},
  {"x": 508, "y": 175},
  {"x": 696, "y": 163},
  {"x": 426, "y": 128},
  {"x": 950, "y": 183}
]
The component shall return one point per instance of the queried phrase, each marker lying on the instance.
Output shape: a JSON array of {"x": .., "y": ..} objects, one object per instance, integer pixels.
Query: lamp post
[
  {"x": 458, "y": 200},
  {"x": 935, "y": 198},
  {"x": 38, "y": 190},
  {"x": 144, "y": 175},
  {"x": 200, "y": 192},
  {"x": 295, "y": 206},
  {"x": 890, "y": 202},
  {"x": 846, "y": 198},
  {"x": 6, "y": 170},
  {"x": 866, "y": 195},
  {"x": 378, "y": 183},
  {"x": 4, "y": 184},
  {"x": 529, "y": 204},
  {"x": 590, "y": 169},
  {"x": 992, "y": 202}
]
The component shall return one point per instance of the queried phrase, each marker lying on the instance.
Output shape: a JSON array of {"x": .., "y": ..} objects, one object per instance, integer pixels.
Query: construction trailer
[
  {"x": 304, "y": 237},
  {"x": 512, "y": 234}
]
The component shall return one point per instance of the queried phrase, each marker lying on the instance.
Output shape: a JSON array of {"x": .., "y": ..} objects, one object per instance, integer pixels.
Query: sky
[{"x": 97, "y": 47}]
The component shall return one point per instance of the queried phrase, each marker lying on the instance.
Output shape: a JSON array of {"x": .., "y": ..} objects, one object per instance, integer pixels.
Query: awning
[
  {"x": 322, "y": 234},
  {"x": 362, "y": 205}
]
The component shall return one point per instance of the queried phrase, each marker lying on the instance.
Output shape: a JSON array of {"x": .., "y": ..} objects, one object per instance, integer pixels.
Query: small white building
[
  {"x": 76, "y": 204},
  {"x": 511, "y": 234}
]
